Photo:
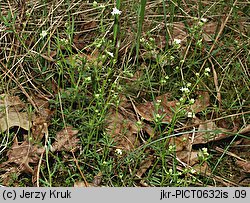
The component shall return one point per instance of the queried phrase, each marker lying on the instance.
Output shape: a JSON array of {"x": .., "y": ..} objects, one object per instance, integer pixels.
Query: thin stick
[{"x": 78, "y": 167}]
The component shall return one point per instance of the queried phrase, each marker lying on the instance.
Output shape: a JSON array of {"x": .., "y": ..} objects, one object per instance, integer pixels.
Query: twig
[{"x": 78, "y": 167}]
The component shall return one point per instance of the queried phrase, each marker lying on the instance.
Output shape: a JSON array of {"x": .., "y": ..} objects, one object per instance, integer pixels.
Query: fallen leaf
[
  {"x": 66, "y": 140},
  {"x": 178, "y": 32},
  {"x": 23, "y": 155},
  {"x": 245, "y": 165},
  {"x": 7, "y": 176},
  {"x": 213, "y": 133},
  {"x": 10, "y": 115},
  {"x": 166, "y": 109},
  {"x": 209, "y": 31},
  {"x": 181, "y": 143},
  {"x": 7, "y": 101},
  {"x": 80, "y": 184},
  {"x": 144, "y": 166},
  {"x": 97, "y": 180},
  {"x": 201, "y": 103},
  {"x": 245, "y": 130},
  {"x": 122, "y": 128},
  {"x": 190, "y": 158},
  {"x": 15, "y": 118}
]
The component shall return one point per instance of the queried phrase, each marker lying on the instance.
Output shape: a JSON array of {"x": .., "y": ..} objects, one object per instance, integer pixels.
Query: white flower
[
  {"x": 207, "y": 70},
  {"x": 43, "y": 33},
  {"x": 192, "y": 171},
  {"x": 203, "y": 20},
  {"x": 118, "y": 151},
  {"x": 190, "y": 115},
  {"x": 116, "y": 11},
  {"x": 185, "y": 90},
  {"x": 95, "y": 4},
  {"x": 110, "y": 54},
  {"x": 191, "y": 101},
  {"x": 182, "y": 100},
  {"x": 177, "y": 41},
  {"x": 88, "y": 79},
  {"x": 97, "y": 96},
  {"x": 158, "y": 101}
]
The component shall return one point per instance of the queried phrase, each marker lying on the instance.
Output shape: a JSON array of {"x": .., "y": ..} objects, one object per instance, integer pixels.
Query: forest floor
[{"x": 124, "y": 93}]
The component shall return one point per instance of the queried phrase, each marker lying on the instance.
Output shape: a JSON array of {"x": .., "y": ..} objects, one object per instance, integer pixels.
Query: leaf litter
[
  {"x": 121, "y": 125},
  {"x": 23, "y": 156},
  {"x": 125, "y": 125}
]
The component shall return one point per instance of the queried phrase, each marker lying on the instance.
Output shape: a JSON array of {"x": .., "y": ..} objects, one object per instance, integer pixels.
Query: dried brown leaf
[
  {"x": 201, "y": 103},
  {"x": 245, "y": 130},
  {"x": 66, "y": 140},
  {"x": 213, "y": 133},
  {"x": 80, "y": 184},
  {"x": 181, "y": 143},
  {"x": 10, "y": 115},
  {"x": 7, "y": 101},
  {"x": 245, "y": 165},
  {"x": 41, "y": 119},
  {"x": 179, "y": 32},
  {"x": 7, "y": 176},
  {"x": 144, "y": 166},
  {"x": 122, "y": 127},
  {"x": 15, "y": 118},
  {"x": 209, "y": 31},
  {"x": 166, "y": 109},
  {"x": 188, "y": 157},
  {"x": 97, "y": 180},
  {"x": 23, "y": 155}
]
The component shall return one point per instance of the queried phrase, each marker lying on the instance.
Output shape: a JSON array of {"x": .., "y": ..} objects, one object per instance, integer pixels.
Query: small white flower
[
  {"x": 43, "y": 33},
  {"x": 182, "y": 100},
  {"x": 116, "y": 11},
  {"x": 95, "y": 4},
  {"x": 185, "y": 90},
  {"x": 177, "y": 41},
  {"x": 158, "y": 101},
  {"x": 88, "y": 79},
  {"x": 97, "y": 96},
  {"x": 191, "y": 101},
  {"x": 162, "y": 81},
  {"x": 192, "y": 171},
  {"x": 190, "y": 115},
  {"x": 65, "y": 41},
  {"x": 204, "y": 20},
  {"x": 110, "y": 54},
  {"x": 189, "y": 84},
  {"x": 207, "y": 70},
  {"x": 118, "y": 151},
  {"x": 197, "y": 74},
  {"x": 142, "y": 40},
  {"x": 204, "y": 150},
  {"x": 172, "y": 58}
]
